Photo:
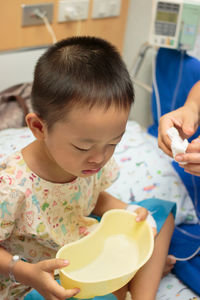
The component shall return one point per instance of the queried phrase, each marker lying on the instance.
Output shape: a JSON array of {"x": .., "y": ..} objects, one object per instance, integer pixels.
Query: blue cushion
[
  {"x": 167, "y": 73},
  {"x": 34, "y": 295},
  {"x": 183, "y": 246}
]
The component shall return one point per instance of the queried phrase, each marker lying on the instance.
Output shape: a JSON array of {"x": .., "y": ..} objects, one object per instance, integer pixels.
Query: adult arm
[{"x": 186, "y": 119}]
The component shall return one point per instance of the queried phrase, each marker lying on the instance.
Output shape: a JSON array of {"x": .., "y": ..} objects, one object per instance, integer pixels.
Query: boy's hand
[
  {"x": 40, "y": 276},
  {"x": 142, "y": 214}
]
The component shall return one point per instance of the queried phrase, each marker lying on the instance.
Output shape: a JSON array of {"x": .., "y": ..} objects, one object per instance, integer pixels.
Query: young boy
[{"x": 81, "y": 97}]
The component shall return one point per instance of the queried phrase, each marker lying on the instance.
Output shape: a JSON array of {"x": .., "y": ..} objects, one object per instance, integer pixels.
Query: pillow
[{"x": 146, "y": 172}]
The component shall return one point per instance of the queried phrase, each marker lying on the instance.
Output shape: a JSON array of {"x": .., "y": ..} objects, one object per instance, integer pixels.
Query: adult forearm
[{"x": 193, "y": 99}]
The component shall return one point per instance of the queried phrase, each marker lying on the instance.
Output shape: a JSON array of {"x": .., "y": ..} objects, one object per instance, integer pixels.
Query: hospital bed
[{"x": 145, "y": 171}]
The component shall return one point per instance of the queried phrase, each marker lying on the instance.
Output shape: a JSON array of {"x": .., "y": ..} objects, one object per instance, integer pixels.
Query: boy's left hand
[{"x": 142, "y": 214}]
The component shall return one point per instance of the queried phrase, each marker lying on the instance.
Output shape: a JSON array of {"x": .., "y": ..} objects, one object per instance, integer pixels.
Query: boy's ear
[{"x": 36, "y": 125}]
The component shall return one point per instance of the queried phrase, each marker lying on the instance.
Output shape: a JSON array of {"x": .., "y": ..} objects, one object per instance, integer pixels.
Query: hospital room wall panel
[
  {"x": 137, "y": 32},
  {"x": 14, "y": 36}
]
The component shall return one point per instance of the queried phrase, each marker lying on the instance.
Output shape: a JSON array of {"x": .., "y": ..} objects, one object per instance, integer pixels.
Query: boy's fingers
[
  {"x": 141, "y": 214},
  {"x": 61, "y": 293},
  {"x": 154, "y": 231},
  {"x": 52, "y": 264},
  {"x": 71, "y": 293}
]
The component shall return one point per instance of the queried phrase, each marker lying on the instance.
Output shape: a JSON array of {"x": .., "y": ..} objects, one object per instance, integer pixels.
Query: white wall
[
  {"x": 17, "y": 67},
  {"x": 137, "y": 32}
]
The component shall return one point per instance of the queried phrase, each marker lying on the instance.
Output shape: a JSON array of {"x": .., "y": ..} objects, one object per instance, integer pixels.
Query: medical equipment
[{"x": 175, "y": 23}]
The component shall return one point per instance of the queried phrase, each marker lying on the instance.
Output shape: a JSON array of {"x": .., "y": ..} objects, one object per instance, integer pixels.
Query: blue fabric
[
  {"x": 159, "y": 209},
  {"x": 183, "y": 246},
  {"x": 34, "y": 295},
  {"x": 167, "y": 72}
]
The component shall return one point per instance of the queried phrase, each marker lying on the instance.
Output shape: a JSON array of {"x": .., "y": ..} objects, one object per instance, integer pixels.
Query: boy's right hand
[{"x": 40, "y": 276}]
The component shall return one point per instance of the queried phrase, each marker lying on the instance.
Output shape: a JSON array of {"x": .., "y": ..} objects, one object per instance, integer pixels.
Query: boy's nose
[{"x": 97, "y": 157}]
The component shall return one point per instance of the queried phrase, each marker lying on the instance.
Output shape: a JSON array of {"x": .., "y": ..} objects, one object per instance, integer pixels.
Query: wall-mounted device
[{"x": 175, "y": 23}]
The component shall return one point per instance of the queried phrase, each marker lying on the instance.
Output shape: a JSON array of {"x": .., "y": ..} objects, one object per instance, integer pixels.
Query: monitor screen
[{"x": 163, "y": 16}]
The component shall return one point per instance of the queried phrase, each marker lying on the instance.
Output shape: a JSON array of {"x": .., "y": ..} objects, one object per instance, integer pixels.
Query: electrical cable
[
  {"x": 196, "y": 198},
  {"x": 189, "y": 257},
  {"x": 143, "y": 85},
  {"x": 196, "y": 237},
  {"x": 74, "y": 14},
  {"x": 42, "y": 16},
  {"x": 138, "y": 60},
  {"x": 136, "y": 65},
  {"x": 157, "y": 96},
  {"x": 192, "y": 236},
  {"x": 180, "y": 72},
  {"x": 78, "y": 28}
]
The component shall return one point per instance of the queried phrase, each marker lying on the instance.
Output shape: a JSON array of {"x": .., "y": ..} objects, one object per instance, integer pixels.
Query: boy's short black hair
[{"x": 83, "y": 71}]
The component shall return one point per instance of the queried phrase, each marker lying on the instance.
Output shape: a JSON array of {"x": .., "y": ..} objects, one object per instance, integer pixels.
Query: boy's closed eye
[
  {"x": 81, "y": 149},
  {"x": 85, "y": 150}
]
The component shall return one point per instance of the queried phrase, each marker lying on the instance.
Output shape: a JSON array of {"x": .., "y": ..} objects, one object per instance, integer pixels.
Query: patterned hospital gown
[{"x": 37, "y": 217}]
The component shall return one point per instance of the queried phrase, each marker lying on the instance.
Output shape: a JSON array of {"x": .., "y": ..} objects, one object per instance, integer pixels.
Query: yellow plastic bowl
[{"x": 109, "y": 257}]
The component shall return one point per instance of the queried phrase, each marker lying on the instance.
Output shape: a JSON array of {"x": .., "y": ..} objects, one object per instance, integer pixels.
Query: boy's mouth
[{"x": 92, "y": 171}]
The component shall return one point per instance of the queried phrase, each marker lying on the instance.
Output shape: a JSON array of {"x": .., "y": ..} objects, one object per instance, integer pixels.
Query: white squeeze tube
[{"x": 178, "y": 145}]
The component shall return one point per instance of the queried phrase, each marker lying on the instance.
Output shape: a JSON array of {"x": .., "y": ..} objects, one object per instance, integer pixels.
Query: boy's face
[{"x": 81, "y": 145}]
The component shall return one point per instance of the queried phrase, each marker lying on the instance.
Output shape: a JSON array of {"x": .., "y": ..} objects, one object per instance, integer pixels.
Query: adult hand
[
  {"x": 40, "y": 276},
  {"x": 185, "y": 119},
  {"x": 191, "y": 158}
]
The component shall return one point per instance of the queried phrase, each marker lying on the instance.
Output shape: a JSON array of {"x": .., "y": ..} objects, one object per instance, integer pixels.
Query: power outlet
[
  {"x": 106, "y": 8},
  {"x": 28, "y": 13},
  {"x": 73, "y": 10}
]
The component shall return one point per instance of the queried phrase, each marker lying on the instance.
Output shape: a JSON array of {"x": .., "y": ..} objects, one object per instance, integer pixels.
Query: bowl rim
[{"x": 107, "y": 213}]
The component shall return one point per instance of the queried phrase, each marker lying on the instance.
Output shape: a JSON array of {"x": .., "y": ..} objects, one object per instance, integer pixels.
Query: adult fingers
[
  {"x": 192, "y": 169},
  {"x": 164, "y": 141},
  {"x": 165, "y": 145},
  {"x": 194, "y": 173},
  {"x": 196, "y": 142},
  {"x": 193, "y": 148},
  {"x": 188, "y": 126},
  {"x": 189, "y": 158}
]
